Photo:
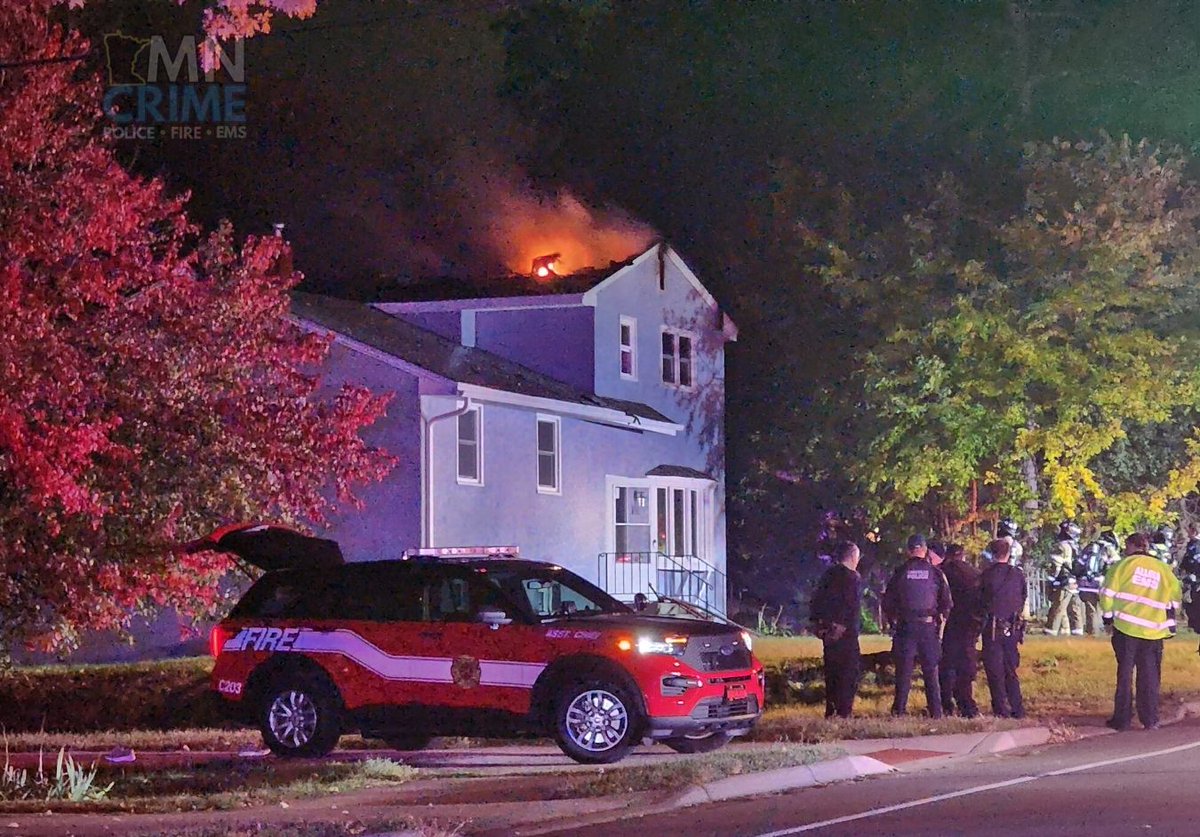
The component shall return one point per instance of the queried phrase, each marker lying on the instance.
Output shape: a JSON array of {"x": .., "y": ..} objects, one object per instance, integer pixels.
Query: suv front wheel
[
  {"x": 596, "y": 722},
  {"x": 300, "y": 717}
]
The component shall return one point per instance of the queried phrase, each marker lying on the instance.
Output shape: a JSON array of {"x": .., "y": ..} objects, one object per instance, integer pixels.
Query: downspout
[{"x": 427, "y": 469}]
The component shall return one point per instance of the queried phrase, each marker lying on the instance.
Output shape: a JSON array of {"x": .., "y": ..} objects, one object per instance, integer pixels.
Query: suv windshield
[{"x": 553, "y": 593}]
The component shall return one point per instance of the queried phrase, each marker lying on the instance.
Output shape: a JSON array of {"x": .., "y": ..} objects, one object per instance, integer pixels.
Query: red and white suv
[{"x": 406, "y": 649}]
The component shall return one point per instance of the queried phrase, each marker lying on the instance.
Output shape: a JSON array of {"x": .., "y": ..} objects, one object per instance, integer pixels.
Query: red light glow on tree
[{"x": 151, "y": 385}]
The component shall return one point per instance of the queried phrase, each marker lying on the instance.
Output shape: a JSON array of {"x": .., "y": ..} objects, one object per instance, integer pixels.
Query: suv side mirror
[{"x": 494, "y": 618}]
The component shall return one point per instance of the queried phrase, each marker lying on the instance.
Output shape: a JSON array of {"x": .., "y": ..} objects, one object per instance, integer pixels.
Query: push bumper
[{"x": 710, "y": 715}]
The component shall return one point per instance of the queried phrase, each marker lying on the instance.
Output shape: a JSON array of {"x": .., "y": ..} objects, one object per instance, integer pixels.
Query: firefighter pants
[
  {"x": 842, "y": 666},
  {"x": 917, "y": 641},
  {"x": 1066, "y": 611},
  {"x": 957, "y": 670},
  {"x": 1145, "y": 657},
  {"x": 1092, "y": 621},
  {"x": 1001, "y": 659}
]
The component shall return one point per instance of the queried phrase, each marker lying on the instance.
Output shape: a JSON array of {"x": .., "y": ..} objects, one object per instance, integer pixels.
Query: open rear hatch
[{"x": 270, "y": 547}]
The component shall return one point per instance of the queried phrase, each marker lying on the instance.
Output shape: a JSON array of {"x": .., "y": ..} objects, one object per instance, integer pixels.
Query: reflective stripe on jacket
[{"x": 1141, "y": 595}]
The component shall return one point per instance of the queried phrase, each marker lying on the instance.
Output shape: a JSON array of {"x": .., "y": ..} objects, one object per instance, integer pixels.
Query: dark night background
[{"x": 393, "y": 138}]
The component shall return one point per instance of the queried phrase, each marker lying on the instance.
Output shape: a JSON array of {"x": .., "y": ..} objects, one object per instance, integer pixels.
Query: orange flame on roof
[{"x": 527, "y": 226}]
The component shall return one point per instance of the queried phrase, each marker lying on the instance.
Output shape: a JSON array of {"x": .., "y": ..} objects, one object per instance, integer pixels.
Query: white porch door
[{"x": 658, "y": 528}]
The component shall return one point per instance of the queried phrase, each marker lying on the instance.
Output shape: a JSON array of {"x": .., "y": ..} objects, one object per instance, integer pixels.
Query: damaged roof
[
  {"x": 446, "y": 358},
  {"x": 452, "y": 288}
]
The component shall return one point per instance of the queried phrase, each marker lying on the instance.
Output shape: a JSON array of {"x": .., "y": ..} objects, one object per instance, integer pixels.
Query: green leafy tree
[{"x": 1019, "y": 351}]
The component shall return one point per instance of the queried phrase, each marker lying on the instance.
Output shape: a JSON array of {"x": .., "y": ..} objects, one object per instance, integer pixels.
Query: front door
[{"x": 629, "y": 564}]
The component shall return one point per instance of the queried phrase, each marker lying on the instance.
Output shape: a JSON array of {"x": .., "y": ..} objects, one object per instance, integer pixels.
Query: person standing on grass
[
  {"x": 1139, "y": 600},
  {"x": 1001, "y": 605},
  {"x": 960, "y": 658},
  {"x": 836, "y": 616},
  {"x": 916, "y": 600}
]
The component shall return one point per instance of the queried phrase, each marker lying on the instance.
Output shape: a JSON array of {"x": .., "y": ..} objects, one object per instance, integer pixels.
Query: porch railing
[
  {"x": 1037, "y": 587},
  {"x": 685, "y": 577}
]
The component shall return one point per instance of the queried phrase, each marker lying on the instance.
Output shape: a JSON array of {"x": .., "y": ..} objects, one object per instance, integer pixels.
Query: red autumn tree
[{"x": 151, "y": 384}]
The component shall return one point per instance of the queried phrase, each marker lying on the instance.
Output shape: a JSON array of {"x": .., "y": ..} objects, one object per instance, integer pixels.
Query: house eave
[
  {"x": 600, "y": 415},
  {"x": 369, "y": 351}
]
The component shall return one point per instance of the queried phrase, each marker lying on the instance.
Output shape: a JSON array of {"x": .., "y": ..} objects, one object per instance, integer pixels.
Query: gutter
[{"x": 427, "y": 468}]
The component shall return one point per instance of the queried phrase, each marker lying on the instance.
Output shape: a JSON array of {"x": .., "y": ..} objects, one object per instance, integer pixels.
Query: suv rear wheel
[
  {"x": 300, "y": 717},
  {"x": 596, "y": 722},
  {"x": 704, "y": 742}
]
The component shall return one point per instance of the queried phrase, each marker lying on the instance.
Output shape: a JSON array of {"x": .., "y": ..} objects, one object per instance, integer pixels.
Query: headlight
[
  {"x": 672, "y": 645},
  {"x": 748, "y": 640}
]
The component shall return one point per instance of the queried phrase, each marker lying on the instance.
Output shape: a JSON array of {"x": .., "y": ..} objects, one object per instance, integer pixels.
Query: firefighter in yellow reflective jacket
[{"x": 1139, "y": 600}]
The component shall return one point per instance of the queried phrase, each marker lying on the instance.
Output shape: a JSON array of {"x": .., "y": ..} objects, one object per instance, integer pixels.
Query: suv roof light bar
[{"x": 463, "y": 552}]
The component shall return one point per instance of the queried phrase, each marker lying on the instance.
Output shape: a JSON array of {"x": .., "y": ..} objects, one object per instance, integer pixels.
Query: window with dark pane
[
  {"x": 468, "y": 446},
  {"x": 547, "y": 454}
]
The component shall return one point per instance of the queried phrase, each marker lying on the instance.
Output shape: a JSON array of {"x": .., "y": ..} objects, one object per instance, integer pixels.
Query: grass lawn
[
  {"x": 224, "y": 786},
  {"x": 1061, "y": 677}
]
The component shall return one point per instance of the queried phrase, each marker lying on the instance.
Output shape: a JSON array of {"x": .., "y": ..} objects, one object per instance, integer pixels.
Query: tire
[
  {"x": 700, "y": 743},
  {"x": 300, "y": 716},
  {"x": 596, "y": 721},
  {"x": 409, "y": 740}
]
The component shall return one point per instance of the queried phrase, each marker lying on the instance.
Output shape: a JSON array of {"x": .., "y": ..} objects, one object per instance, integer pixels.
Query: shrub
[{"x": 149, "y": 696}]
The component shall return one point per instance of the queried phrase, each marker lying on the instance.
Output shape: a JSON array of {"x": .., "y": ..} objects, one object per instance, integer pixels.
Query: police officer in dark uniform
[
  {"x": 915, "y": 602},
  {"x": 960, "y": 657},
  {"x": 1189, "y": 575},
  {"x": 1001, "y": 603},
  {"x": 836, "y": 616}
]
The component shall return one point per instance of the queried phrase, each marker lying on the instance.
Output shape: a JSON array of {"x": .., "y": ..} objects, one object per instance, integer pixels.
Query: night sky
[{"x": 400, "y": 140}]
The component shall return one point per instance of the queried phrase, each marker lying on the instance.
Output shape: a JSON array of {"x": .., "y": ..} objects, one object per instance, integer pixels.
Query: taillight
[{"x": 216, "y": 640}]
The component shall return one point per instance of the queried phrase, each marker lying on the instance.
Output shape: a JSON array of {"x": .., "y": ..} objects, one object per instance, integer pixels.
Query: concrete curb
[
  {"x": 786, "y": 778},
  {"x": 998, "y": 742}
]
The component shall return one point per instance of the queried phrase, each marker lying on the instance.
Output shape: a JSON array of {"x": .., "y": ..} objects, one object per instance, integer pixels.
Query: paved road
[{"x": 1134, "y": 782}]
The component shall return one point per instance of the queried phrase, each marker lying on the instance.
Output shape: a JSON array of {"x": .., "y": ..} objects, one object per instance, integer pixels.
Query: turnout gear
[
  {"x": 1161, "y": 543},
  {"x": 1089, "y": 569},
  {"x": 1069, "y": 530},
  {"x": 1066, "y": 608}
]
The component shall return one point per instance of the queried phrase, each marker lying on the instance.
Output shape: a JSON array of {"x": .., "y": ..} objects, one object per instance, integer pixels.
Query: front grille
[
  {"x": 737, "y": 678},
  {"x": 714, "y": 709},
  {"x": 717, "y": 653}
]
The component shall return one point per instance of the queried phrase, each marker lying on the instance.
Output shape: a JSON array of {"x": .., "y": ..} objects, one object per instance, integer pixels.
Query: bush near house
[{"x": 171, "y": 694}]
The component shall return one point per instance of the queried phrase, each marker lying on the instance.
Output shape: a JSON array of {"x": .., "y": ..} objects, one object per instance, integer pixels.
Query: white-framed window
[
  {"x": 549, "y": 455},
  {"x": 677, "y": 358},
  {"x": 629, "y": 348},
  {"x": 470, "y": 447}
]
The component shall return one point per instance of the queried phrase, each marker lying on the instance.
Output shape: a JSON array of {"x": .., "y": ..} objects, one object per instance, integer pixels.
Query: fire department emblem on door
[{"x": 465, "y": 672}]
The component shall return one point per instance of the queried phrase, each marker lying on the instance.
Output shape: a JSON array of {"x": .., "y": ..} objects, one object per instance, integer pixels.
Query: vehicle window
[
  {"x": 377, "y": 594},
  {"x": 455, "y": 597},
  {"x": 556, "y": 593},
  {"x": 287, "y": 595}
]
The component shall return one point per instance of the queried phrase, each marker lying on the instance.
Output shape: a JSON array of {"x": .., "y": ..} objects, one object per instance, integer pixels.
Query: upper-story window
[
  {"x": 470, "y": 447},
  {"x": 549, "y": 461},
  {"x": 677, "y": 358},
  {"x": 629, "y": 348}
]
